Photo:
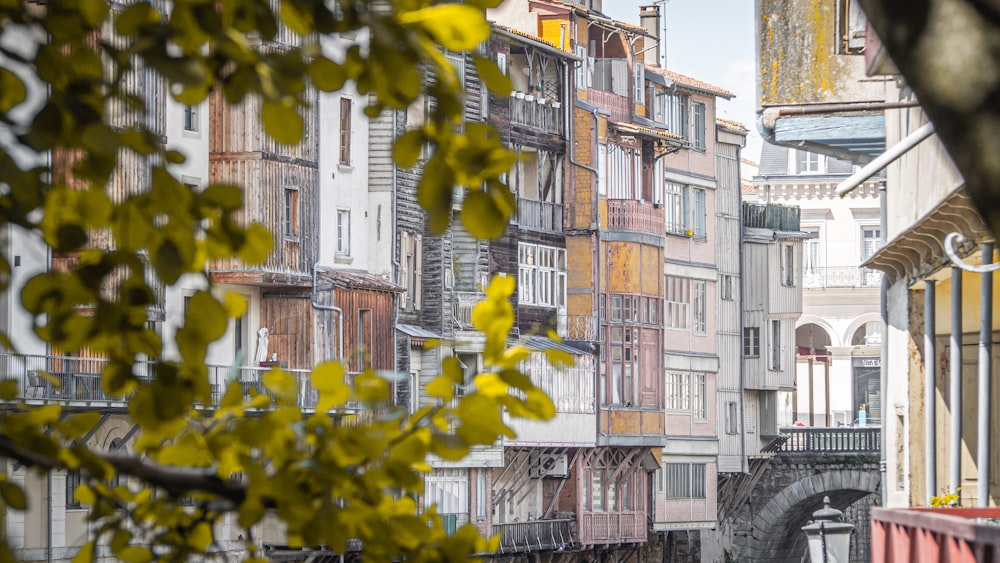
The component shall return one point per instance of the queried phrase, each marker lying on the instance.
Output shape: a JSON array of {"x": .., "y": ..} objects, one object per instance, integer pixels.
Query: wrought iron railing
[
  {"x": 771, "y": 216},
  {"x": 847, "y": 439},
  {"x": 578, "y": 327},
  {"x": 462, "y": 304},
  {"x": 527, "y": 111},
  {"x": 540, "y": 215},
  {"x": 840, "y": 276},
  {"x": 537, "y": 535},
  {"x": 635, "y": 215}
]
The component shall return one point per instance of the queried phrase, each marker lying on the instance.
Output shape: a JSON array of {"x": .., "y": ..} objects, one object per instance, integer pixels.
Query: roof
[
  {"x": 747, "y": 188},
  {"x": 416, "y": 331},
  {"x": 731, "y": 125},
  {"x": 692, "y": 83},
  {"x": 359, "y": 280},
  {"x": 748, "y": 162},
  {"x": 640, "y": 130},
  {"x": 597, "y": 14},
  {"x": 542, "y": 343},
  {"x": 510, "y": 31}
]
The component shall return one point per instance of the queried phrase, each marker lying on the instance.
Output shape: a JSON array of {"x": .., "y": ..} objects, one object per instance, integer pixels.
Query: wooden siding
[
  {"x": 785, "y": 299},
  {"x": 289, "y": 318},
  {"x": 376, "y": 346}
]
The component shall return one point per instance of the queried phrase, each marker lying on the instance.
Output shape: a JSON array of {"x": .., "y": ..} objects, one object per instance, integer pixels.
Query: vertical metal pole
[
  {"x": 985, "y": 370},
  {"x": 930, "y": 391},
  {"x": 955, "y": 384}
]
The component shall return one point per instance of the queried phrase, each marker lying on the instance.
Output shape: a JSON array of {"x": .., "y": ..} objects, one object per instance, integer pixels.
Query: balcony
[
  {"x": 935, "y": 535},
  {"x": 613, "y": 527},
  {"x": 619, "y": 106},
  {"x": 635, "y": 215},
  {"x": 79, "y": 380},
  {"x": 840, "y": 276},
  {"x": 770, "y": 216},
  {"x": 536, "y": 114},
  {"x": 538, "y": 535},
  {"x": 540, "y": 215},
  {"x": 578, "y": 327},
  {"x": 832, "y": 440},
  {"x": 462, "y": 304}
]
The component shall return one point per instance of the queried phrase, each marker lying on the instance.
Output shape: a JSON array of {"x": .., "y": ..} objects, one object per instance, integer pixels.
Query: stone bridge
[{"x": 769, "y": 506}]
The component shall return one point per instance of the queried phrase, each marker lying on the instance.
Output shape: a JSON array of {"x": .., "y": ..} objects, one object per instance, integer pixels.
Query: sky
[{"x": 713, "y": 41}]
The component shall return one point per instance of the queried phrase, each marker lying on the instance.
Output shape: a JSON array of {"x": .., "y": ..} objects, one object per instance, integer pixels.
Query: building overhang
[
  {"x": 857, "y": 138},
  {"x": 919, "y": 251}
]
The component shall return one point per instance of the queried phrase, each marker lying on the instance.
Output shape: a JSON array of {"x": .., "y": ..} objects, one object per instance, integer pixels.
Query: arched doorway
[{"x": 811, "y": 403}]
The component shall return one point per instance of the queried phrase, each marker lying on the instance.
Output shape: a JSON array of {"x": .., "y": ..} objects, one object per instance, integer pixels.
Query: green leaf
[
  {"x": 408, "y": 147},
  {"x": 86, "y": 554},
  {"x": 85, "y": 495},
  {"x": 78, "y": 424},
  {"x": 13, "y": 495},
  {"x": 12, "y": 90},
  {"x": 134, "y": 17},
  {"x": 326, "y": 74},
  {"x": 482, "y": 216},
  {"x": 8, "y": 390},
  {"x": 492, "y": 76},
  {"x": 454, "y": 26},
  {"x": 135, "y": 554},
  {"x": 200, "y": 537},
  {"x": 281, "y": 122}
]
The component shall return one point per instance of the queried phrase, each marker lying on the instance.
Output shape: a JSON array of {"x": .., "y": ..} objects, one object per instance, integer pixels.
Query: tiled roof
[
  {"x": 732, "y": 125},
  {"x": 747, "y": 188},
  {"x": 748, "y": 162},
  {"x": 633, "y": 128},
  {"x": 359, "y": 280},
  {"x": 570, "y": 5},
  {"x": 518, "y": 32},
  {"x": 691, "y": 82}
]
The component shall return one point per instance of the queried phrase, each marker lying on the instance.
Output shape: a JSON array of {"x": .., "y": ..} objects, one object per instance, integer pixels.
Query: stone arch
[
  {"x": 834, "y": 336},
  {"x": 776, "y": 535},
  {"x": 858, "y": 323},
  {"x": 116, "y": 427}
]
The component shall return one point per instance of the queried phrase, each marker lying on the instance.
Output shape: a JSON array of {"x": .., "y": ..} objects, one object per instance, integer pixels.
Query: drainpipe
[
  {"x": 394, "y": 258},
  {"x": 985, "y": 370},
  {"x": 930, "y": 390},
  {"x": 955, "y": 384},
  {"x": 883, "y": 376},
  {"x": 337, "y": 310},
  {"x": 744, "y": 463}
]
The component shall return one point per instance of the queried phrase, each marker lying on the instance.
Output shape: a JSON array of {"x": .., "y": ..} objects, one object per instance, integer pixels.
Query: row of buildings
[{"x": 679, "y": 301}]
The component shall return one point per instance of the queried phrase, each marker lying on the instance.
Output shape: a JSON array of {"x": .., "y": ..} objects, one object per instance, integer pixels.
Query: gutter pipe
[{"x": 885, "y": 159}]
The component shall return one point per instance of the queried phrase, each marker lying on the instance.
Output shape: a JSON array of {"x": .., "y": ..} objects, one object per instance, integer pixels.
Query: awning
[{"x": 416, "y": 331}]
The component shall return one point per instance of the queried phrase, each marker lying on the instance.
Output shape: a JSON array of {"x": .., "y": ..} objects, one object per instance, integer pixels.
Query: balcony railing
[
  {"x": 612, "y": 527},
  {"x": 840, "y": 276},
  {"x": 538, "y": 535},
  {"x": 635, "y": 215},
  {"x": 849, "y": 439},
  {"x": 619, "y": 106},
  {"x": 578, "y": 327},
  {"x": 78, "y": 379},
  {"x": 935, "y": 535},
  {"x": 771, "y": 216},
  {"x": 462, "y": 304},
  {"x": 527, "y": 111},
  {"x": 540, "y": 215}
]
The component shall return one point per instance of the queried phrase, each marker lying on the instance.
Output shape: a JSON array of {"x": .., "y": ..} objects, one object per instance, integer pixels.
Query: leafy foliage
[{"x": 352, "y": 468}]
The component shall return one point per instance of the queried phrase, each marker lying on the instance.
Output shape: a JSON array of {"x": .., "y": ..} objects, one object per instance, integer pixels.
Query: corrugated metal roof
[{"x": 542, "y": 343}]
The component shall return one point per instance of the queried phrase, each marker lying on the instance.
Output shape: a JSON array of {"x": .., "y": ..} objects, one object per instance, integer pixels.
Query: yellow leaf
[
  {"x": 200, "y": 537},
  {"x": 281, "y": 384},
  {"x": 454, "y": 26},
  {"x": 13, "y": 495}
]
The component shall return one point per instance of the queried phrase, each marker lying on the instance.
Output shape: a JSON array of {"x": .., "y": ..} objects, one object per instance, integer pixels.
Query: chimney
[{"x": 649, "y": 19}]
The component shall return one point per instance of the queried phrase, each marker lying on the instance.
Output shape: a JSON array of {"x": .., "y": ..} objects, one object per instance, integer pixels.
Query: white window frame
[
  {"x": 411, "y": 265},
  {"x": 343, "y": 238},
  {"x": 685, "y": 480},
  {"x": 699, "y": 390},
  {"x": 775, "y": 345},
  {"x": 805, "y": 162},
  {"x": 541, "y": 275},
  {"x": 678, "y": 391},
  {"x": 676, "y": 303},
  {"x": 192, "y": 121},
  {"x": 727, "y": 283},
  {"x": 291, "y": 216},
  {"x": 676, "y": 115},
  {"x": 698, "y": 126},
  {"x": 699, "y": 307},
  {"x": 870, "y": 243},
  {"x": 787, "y": 265},
  {"x": 732, "y": 417},
  {"x": 751, "y": 342},
  {"x": 638, "y": 80},
  {"x": 677, "y": 208},
  {"x": 699, "y": 215},
  {"x": 345, "y": 129}
]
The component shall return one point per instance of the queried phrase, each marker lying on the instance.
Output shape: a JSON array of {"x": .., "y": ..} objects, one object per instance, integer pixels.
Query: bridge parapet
[{"x": 843, "y": 439}]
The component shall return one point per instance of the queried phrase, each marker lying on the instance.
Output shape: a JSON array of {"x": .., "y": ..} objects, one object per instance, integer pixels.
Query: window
[
  {"x": 808, "y": 162},
  {"x": 699, "y": 315},
  {"x": 751, "y": 342},
  {"x": 343, "y": 232},
  {"x": 678, "y": 391},
  {"x": 482, "y": 493},
  {"x": 623, "y": 349},
  {"x": 811, "y": 255},
  {"x": 541, "y": 275},
  {"x": 853, "y": 23},
  {"x": 190, "y": 118},
  {"x": 787, "y": 265},
  {"x": 624, "y": 169},
  {"x": 582, "y": 78},
  {"x": 732, "y": 417},
  {"x": 675, "y": 114},
  {"x": 291, "y": 213},
  {"x": 698, "y": 126},
  {"x": 678, "y": 303},
  {"x": 698, "y": 214},
  {"x": 727, "y": 287},
  {"x": 700, "y": 391},
  {"x": 411, "y": 265},
  {"x": 345, "y": 131},
  {"x": 775, "y": 345},
  {"x": 73, "y": 481},
  {"x": 685, "y": 480},
  {"x": 638, "y": 79},
  {"x": 677, "y": 208},
  {"x": 871, "y": 241}
]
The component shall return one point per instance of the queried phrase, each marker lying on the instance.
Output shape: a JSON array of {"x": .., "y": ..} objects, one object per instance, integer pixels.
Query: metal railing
[
  {"x": 771, "y": 216},
  {"x": 537, "y": 535},
  {"x": 840, "y": 276},
  {"x": 617, "y": 105},
  {"x": 847, "y": 439},
  {"x": 635, "y": 215},
  {"x": 540, "y": 215},
  {"x": 462, "y": 304},
  {"x": 578, "y": 327},
  {"x": 527, "y": 111},
  {"x": 934, "y": 535}
]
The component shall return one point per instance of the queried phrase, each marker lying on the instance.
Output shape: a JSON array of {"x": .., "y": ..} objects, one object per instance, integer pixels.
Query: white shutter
[
  {"x": 418, "y": 269},
  {"x": 638, "y": 77},
  {"x": 404, "y": 267}
]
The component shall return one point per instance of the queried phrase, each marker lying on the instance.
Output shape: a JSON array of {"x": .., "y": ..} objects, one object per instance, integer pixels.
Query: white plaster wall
[
  {"x": 897, "y": 377},
  {"x": 564, "y": 429}
]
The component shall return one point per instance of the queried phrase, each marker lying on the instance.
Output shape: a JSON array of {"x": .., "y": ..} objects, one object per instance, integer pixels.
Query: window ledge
[
  {"x": 341, "y": 167},
  {"x": 343, "y": 259},
  {"x": 188, "y": 134},
  {"x": 289, "y": 238}
]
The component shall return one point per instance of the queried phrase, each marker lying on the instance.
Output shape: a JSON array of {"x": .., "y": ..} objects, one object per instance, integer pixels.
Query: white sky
[{"x": 713, "y": 41}]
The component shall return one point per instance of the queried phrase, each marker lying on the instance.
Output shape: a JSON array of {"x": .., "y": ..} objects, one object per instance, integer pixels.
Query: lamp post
[{"x": 828, "y": 535}]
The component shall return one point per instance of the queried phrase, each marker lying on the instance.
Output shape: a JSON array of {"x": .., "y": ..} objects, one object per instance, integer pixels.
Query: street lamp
[{"x": 829, "y": 536}]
